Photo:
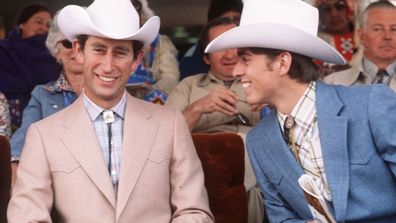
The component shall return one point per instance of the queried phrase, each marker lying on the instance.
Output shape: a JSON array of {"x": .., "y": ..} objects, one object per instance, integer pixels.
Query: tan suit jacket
[{"x": 161, "y": 178}]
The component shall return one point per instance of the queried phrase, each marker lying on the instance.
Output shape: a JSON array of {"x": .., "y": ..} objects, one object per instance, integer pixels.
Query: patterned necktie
[{"x": 381, "y": 77}]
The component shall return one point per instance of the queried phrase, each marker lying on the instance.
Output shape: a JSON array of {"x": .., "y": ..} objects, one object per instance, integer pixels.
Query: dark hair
[
  {"x": 137, "y": 46},
  {"x": 29, "y": 10},
  {"x": 302, "y": 68},
  {"x": 204, "y": 37},
  {"x": 218, "y": 7}
]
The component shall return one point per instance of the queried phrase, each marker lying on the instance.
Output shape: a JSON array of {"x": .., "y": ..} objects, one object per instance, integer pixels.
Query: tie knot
[
  {"x": 108, "y": 116},
  {"x": 382, "y": 76},
  {"x": 289, "y": 122}
]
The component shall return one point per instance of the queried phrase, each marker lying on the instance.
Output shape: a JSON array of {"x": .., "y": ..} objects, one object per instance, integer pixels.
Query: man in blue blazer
[{"x": 343, "y": 138}]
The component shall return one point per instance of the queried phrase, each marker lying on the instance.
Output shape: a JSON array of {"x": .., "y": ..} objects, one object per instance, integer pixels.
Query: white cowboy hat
[
  {"x": 112, "y": 19},
  {"x": 290, "y": 25}
]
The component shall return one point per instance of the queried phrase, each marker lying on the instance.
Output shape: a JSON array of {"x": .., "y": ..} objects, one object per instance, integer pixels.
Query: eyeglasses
[
  {"x": 326, "y": 8},
  {"x": 241, "y": 117},
  {"x": 66, "y": 43}
]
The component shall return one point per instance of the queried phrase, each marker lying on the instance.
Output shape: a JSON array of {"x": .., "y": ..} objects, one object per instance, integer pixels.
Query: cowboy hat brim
[
  {"x": 75, "y": 20},
  {"x": 276, "y": 36}
]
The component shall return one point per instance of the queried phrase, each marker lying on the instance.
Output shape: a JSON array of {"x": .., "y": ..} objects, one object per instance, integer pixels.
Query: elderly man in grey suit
[{"x": 376, "y": 62}]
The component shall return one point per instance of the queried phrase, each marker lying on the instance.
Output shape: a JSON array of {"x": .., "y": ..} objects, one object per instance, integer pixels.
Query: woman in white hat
[{"x": 342, "y": 139}]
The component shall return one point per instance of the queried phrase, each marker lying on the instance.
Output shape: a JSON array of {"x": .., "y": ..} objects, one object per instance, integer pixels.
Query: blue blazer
[
  {"x": 357, "y": 127},
  {"x": 42, "y": 103}
]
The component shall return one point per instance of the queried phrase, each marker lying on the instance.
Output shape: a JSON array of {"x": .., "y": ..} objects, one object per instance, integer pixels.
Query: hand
[{"x": 221, "y": 100}]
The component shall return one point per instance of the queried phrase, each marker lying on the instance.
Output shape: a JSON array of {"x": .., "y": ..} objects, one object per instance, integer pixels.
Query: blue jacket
[
  {"x": 43, "y": 103},
  {"x": 357, "y": 127}
]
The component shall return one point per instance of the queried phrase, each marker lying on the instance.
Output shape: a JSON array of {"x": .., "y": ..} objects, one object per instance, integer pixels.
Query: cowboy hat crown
[
  {"x": 112, "y": 19},
  {"x": 290, "y": 25}
]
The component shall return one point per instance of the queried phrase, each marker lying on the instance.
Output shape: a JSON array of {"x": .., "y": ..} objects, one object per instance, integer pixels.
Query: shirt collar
[
  {"x": 94, "y": 110},
  {"x": 305, "y": 109},
  {"x": 61, "y": 84},
  {"x": 211, "y": 78},
  {"x": 371, "y": 69}
]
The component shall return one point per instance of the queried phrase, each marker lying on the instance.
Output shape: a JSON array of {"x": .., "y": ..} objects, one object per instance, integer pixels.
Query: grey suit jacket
[{"x": 357, "y": 127}]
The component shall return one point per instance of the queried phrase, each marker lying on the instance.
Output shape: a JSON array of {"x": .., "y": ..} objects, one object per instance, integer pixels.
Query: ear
[
  {"x": 137, "y": 60},
  {"x": 206, "y": 59},
  {"x": 283, "y": 63},
  {"x": 78, "y": 51}
]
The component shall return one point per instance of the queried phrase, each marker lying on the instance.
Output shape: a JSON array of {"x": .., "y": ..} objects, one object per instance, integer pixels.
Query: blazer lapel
[
  {"x": 138, "y": 137},
  {"x": 276, "y": 149},
  {"x": 80, "y": 139},
  {"x": 333, "y": 139}
]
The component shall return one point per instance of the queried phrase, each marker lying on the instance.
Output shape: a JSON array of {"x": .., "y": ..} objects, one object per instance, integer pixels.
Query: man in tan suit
[{"x": 109, "y": 157}]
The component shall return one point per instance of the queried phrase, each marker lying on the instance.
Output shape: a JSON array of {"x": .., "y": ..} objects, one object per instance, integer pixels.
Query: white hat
[
  {"x": 112, "y": 19},
  {"x": 290, "y": 25}
]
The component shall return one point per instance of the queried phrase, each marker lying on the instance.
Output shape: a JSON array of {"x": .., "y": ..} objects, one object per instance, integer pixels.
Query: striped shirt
[
  {"x": 306, "y": 138},
  {"x": 370, "y": 69},
  {"x": 101, "y": 130}
]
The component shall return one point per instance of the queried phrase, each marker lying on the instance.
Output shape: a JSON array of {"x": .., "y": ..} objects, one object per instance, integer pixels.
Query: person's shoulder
[
  {"x": 194, "y": 78},
  {"x": 345, "y": 77}
]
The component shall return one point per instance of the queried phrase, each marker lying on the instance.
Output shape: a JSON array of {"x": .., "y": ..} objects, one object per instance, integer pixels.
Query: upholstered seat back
[{"x": 222, "y": 157}]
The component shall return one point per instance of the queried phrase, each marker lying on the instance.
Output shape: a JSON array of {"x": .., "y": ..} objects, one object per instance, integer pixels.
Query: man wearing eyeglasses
[
  {"x": 377, "y": 60},
  {"x": 214, "y": 102}
]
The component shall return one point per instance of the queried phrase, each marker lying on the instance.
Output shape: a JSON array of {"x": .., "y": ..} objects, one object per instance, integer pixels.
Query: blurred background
[{"x": 181, "y": 20}]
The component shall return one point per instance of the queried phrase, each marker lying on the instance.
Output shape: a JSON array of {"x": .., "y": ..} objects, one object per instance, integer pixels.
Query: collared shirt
[
  {"x": 306, "y": 138},
  {"x": 370, "y": 70},
  {"x": 101, "y": 130},
  {"x": 62, "y": 86}
]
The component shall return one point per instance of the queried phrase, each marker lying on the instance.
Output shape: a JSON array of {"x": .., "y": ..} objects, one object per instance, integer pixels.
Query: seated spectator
[
  {"x": 24, "y": 59},
  {"x": 53, "y": 96},
  {"x": 215, "y": 102},
  {"x": 336, "y": 27},
  {"x": 5, "y": 122},
  {"x": 159, "y": 70},
  {"x": 192, "y": 62},
  {"x": 377, "y": 61}
]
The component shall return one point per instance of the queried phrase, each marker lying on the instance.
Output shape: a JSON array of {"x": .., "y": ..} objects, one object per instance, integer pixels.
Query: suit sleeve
[
  {"x": 382, "y": 119},
  {"x": 189, "y": 198},
  {"x": 32, "y": 194},
  {"x": 277, "y": 209}
]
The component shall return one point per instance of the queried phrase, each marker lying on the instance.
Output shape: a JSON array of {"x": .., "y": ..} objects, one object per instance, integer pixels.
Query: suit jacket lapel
[
  {"x": 80, "y": 139},
  {"x": 277, "y": 149},
  {"x": 138, "y": 137},
  {"x": 333, "y": 139}
]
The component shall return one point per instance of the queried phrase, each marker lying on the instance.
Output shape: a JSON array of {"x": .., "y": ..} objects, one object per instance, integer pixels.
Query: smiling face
[
  {"x": 378, "y": 36},
  {"x": 260, "y": 81},
  {"x": 221, "y": 63},
  {"x": 107, "y": 65},
  {"x": 37, "y": 24}
]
